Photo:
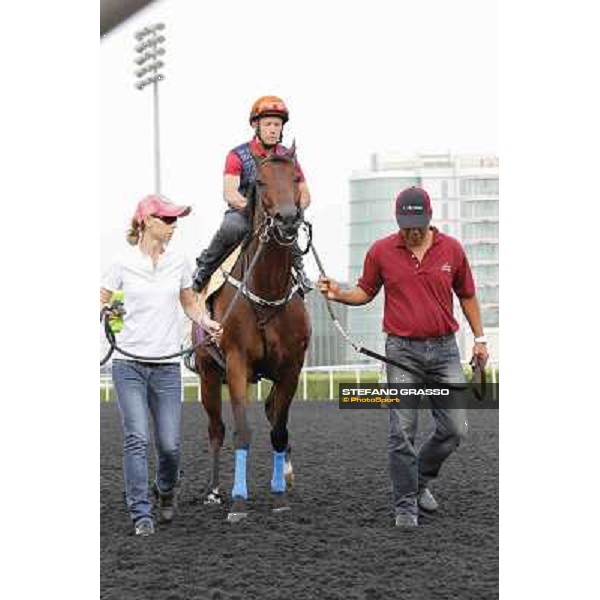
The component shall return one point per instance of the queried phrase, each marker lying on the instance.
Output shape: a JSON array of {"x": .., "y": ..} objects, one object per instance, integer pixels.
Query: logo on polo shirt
[{"x": 446, "y": 267}]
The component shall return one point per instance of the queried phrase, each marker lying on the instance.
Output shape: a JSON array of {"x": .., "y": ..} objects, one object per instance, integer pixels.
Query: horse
[{"x": 266, "y": 332}]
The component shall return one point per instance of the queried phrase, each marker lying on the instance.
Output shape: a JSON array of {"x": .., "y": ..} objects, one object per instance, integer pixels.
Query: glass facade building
[{"x": 327, "y": 346}]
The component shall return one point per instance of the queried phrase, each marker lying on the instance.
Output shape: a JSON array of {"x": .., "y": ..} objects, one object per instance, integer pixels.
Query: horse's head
[{"x": 277, "y": 191}]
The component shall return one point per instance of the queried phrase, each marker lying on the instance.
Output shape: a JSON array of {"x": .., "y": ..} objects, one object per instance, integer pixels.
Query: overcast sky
[{"x": 358, "y": 77}]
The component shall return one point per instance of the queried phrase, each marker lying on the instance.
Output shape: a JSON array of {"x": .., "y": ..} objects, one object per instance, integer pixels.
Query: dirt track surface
[{"x": 337, "y": 542}]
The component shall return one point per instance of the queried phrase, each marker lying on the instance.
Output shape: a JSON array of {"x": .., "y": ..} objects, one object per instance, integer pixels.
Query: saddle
[{"x": 217, "y": 280}]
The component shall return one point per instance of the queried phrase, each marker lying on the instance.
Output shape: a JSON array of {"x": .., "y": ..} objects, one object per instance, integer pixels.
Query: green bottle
[{"x": 115, "y": 321}]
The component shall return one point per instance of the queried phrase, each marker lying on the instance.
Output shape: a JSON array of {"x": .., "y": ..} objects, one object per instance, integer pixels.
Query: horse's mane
[{"x": 278, "y": 158}]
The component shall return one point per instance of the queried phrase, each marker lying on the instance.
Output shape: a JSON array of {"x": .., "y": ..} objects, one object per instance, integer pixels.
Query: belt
[{"x": 427, "y": 340}]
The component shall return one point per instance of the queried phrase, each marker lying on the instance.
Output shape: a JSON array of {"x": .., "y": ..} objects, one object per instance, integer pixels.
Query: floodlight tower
[{"x": 148, "y": 60}]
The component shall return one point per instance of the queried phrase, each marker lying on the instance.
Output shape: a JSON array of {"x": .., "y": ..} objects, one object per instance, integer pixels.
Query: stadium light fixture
[{"x": 148, "y": 72}]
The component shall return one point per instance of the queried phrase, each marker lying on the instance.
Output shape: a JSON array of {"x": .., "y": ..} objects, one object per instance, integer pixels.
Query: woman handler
[{"x": 155, "y": 279}]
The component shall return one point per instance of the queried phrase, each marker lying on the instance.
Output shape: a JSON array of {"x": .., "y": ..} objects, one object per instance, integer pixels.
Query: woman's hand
[
  {"x": 213, "y": 328},
  {"x": 196, "y": 311}
]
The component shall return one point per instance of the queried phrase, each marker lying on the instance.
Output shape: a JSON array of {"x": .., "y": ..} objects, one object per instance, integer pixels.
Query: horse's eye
[{"x": 259, "y": 182}]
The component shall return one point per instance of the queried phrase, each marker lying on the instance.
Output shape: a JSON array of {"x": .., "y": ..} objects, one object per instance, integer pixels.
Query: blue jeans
[
  {"x": 141, "y": 386},
  {"x": 436, "y": 360}
]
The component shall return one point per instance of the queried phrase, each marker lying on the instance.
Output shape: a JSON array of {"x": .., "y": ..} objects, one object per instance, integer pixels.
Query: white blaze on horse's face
[{"x": 269, "y": 130}]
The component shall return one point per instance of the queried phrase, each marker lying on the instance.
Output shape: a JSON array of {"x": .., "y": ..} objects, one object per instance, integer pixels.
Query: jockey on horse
[
  {"x": 268, "y": 117},
  {"x": 266, "y": 327}
]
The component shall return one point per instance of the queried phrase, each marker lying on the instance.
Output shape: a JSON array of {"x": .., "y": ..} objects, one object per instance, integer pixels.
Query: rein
[{"x": 110, "y": 336}]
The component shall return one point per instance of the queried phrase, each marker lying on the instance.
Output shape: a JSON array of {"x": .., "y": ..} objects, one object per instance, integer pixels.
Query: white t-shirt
[{"x": 151, "y": 300}]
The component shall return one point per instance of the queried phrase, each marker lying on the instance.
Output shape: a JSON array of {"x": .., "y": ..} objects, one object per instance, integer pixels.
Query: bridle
[
  {"x": 282, "y": 228},
  {"x": 279, "y": 228}
]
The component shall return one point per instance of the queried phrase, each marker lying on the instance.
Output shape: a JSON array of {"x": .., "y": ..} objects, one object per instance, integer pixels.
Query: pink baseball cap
[{"x": 157, "y": 205}]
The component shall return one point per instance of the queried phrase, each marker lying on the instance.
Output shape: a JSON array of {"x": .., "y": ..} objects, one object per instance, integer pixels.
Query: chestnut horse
[{"x": 266, "y": 331}]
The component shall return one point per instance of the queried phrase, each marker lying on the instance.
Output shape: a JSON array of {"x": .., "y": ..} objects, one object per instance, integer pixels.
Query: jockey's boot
[
  {"x": 232, "y": 231},
  {"x": 208, "y": 262},
  {"x": 201, "y": 276}
]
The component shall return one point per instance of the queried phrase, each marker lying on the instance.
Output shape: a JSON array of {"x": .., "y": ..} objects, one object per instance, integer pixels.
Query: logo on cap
[{"x": 413, "y": 208}]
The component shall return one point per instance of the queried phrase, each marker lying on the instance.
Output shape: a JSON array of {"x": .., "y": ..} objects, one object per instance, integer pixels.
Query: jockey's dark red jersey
[{"x": 418, "y": 296}]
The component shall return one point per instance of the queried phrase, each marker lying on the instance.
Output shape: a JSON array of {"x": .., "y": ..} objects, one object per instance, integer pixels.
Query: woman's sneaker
[
  {"x": 143, "y": 527},
  {"x": 406, "y": 520}
]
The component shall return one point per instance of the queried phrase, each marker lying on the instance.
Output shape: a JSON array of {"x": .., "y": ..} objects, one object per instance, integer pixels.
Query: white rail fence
[{"x": 354, "y": 376}]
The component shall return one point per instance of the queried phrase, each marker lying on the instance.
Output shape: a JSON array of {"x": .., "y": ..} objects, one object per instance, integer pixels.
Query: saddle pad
[{"x": 217, "y": 280}]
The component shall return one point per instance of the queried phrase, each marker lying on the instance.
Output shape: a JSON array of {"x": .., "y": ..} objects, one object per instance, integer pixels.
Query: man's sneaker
[
  {"x": 144, "y": 527},
  {"x": 404, "y": 519},
  {"x": 166, "y": 504},
  {"x": 427, "y": 502}
]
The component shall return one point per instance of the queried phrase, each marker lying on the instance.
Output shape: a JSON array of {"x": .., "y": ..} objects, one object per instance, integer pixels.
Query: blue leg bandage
[
  {"x": 239, "y": 485},
  {"x": 278, "y": 480}
]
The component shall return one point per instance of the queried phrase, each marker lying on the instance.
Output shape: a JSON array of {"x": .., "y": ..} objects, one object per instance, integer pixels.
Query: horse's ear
[{"x": 292, "y": 151}]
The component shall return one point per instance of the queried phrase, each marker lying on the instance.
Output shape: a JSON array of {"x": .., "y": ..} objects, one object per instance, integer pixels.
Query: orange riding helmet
[{"x": 269, "y": 106}]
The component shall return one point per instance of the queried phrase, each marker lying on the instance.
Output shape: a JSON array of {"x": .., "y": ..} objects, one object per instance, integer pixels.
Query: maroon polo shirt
[{"x": 418, "y": 296}]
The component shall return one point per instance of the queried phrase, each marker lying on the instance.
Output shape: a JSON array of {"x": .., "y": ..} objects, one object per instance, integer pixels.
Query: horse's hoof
[
  {"x": 238, "y": 511},
  {"x": 214, "y": 497},
  {"x": 280, "y": 504},
  {"x": 236, "y": 517},
  {"x": 289, "y": 475},
  {"x": 281, "y": 509}
]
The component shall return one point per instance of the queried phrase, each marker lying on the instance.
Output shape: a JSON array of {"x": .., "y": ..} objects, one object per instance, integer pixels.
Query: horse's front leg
[
  {"x": 237, "y": 380},
  {"x": 282, "y": 395},
  {"x": 270, "y": 413},
  {"x": 211, "y": 400}
]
